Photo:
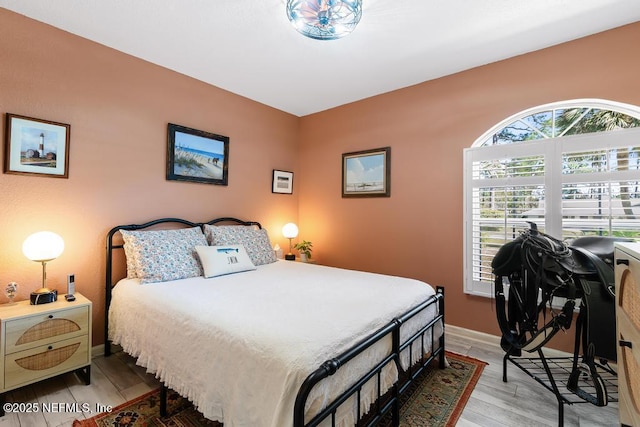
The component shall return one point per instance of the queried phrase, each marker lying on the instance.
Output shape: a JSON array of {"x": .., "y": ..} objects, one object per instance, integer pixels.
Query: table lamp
[
  {"x": 290, "y": 231},
  {"x": 43, "y": 247}
]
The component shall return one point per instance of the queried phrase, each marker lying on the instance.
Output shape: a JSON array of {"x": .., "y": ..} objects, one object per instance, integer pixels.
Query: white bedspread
[{"x": 240, "y": 346}]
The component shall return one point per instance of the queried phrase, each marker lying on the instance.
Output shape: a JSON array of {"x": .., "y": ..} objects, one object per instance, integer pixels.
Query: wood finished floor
[{"x": 519, "y": 402}]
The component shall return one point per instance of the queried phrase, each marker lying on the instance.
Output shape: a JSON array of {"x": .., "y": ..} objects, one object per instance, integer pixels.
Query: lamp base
[
  {"x": 43, "y": 296},
  {"x": 290, "y": 257}
]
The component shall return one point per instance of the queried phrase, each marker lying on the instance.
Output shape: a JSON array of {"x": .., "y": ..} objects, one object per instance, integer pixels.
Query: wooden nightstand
[{"x": 41, "y": 341}]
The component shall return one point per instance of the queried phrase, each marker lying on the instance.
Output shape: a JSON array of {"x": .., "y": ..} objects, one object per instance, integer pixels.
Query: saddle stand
[{"x": 539, "y": 268}]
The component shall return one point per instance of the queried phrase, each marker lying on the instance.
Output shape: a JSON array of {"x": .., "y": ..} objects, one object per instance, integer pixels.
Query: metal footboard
[{"x": 387, "y": 402}]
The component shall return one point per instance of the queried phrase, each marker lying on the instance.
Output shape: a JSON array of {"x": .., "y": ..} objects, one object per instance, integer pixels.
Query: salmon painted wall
[
  {"x": 417, "y": 232},
  {"x": 118, "y": 108}
]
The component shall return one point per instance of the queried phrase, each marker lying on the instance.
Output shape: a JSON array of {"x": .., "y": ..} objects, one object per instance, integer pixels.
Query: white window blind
[{"x": 600, "y": 192}]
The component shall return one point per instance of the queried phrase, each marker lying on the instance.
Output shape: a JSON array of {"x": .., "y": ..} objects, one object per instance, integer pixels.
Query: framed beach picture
[
  {"x": 197, "y": 156},
  {"x": 367, "y": 173},
  {"x": 36, "y": 147},
  {"x": 282, "y": 182}
]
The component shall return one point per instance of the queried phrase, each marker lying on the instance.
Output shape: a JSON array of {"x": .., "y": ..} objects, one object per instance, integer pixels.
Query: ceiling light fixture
[{"x": 324, "y": 19}]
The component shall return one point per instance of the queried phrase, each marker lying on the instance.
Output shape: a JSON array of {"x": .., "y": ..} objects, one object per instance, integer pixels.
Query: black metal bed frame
[{"x": 387, "y": 404}]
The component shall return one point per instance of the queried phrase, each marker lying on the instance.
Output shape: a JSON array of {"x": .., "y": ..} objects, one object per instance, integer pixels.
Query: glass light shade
[
  {"x": 324, "y": 19},
  {"x": 290, "y": 230},
  {"x": 43, "y": 246}
]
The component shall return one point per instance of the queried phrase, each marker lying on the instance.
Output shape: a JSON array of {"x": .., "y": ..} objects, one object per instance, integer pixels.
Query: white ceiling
[{"x": 248, "y": 47}]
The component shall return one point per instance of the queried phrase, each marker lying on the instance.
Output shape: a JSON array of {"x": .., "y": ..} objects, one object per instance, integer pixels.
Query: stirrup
[{"x": 588, "y": 368}]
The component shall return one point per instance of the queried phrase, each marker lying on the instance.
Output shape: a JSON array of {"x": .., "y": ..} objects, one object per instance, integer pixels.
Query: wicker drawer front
[
  {"x": 45, "y": 361},
  {"x": 42, "y": 329}
]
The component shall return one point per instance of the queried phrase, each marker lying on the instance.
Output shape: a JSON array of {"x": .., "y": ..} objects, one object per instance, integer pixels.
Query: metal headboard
[{"x": 111, "y": 247}]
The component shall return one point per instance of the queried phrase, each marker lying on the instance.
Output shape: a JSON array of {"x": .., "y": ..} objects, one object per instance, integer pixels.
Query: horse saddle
[
  {"x": 592, "y": 256},
  {"x": 593, "y": 264},
  {"x": 600, "y": 246}
]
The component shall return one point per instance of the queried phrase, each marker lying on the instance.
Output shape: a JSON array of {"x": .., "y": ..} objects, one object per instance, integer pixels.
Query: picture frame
[
  {"x": 36, "y": 147},
  {"x": 367, "y": 173},
  {"x": 197, "y": 156},
  {"x": 282, "y": 182}
]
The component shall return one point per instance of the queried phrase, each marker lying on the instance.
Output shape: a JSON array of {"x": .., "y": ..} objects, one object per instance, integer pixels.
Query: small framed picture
[
  {"x": 197, "y": 156},
  {"x": 36, "y": 147},
  {"x": 367, "y": 173},
  {"x": 282, "y": 182}
]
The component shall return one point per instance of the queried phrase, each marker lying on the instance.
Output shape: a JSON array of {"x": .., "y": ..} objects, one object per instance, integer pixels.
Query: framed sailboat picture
[{"x": 367, "y": 173}]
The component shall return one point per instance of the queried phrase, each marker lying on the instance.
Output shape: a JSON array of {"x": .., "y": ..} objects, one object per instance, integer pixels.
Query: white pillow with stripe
[{"x": 221, "y": 260}]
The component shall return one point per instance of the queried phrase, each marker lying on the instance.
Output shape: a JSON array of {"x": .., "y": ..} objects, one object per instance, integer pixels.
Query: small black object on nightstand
[{"x": 70, "y": 298}]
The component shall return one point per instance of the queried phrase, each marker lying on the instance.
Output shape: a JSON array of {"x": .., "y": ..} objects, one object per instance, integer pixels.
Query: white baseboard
[
  {"x": 471, "y": 334},
  {"x": 493, "y": 339}
]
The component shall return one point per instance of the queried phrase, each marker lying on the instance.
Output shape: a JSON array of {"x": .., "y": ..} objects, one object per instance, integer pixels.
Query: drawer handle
[
  {"x": 624, "y": 343},
  {"x": 50, "y": 347},
  {"x": 51, "y": 316},
  {"x": 622, "y": 261}
]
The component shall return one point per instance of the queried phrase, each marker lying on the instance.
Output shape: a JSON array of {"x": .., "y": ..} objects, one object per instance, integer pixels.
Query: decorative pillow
[
  {"x": 129, "y": 254},
  {"x": 220, "y": 260},
  {"x": 255, "y": 241},
  {"x": 161, "y": 255}
]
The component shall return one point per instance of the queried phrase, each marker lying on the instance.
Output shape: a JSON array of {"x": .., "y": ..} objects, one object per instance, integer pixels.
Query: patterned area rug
[{"x": 438, "y": 399}]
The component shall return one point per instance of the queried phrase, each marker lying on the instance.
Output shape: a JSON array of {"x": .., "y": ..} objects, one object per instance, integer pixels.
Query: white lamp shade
[
  {"x": 290, "y": 230},
  {"x": 43, "y": 246}
]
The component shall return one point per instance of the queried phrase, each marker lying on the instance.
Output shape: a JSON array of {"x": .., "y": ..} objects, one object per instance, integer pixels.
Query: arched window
[{"x": 573, "y": 168}]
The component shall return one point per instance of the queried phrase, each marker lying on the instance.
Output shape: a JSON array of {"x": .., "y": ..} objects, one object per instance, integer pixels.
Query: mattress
[{"x": 239, "y": 346}]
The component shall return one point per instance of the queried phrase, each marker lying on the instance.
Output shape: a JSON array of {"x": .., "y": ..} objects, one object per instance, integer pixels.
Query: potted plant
[{"x": 304, "y": 248}]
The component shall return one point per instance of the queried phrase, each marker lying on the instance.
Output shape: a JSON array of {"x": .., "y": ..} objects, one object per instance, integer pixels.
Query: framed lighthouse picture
[{"x": 36, "y": 147}]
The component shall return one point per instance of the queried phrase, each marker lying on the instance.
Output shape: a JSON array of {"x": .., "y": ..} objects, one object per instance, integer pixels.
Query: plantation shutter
[
  {"x": 600, "y": 185},
  {"x": 506, "y": 184},
  {"x": 570, "y": 186}
]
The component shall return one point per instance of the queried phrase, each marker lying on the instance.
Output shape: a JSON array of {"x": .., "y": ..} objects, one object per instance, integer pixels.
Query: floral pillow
[
  {"x": 129, "y": 254},
  {"x": 255, "y": 241},
  {"x": 161, "y": 255}
]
